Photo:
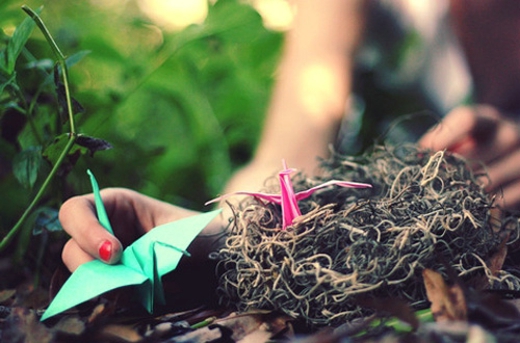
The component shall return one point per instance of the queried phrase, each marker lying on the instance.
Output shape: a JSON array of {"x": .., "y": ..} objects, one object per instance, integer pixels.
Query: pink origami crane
[{"x": 288, "y": 199}]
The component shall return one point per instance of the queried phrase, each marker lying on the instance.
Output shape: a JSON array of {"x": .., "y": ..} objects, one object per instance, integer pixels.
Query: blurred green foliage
[{"x": 182, "y": 110}]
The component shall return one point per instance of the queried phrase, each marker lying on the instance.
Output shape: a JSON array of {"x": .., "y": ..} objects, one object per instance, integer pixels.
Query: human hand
[
  {"x": 131, "y": 214},
  {"x": 483, "y": 133}
]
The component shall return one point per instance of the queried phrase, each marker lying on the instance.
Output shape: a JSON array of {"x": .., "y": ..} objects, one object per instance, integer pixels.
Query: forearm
[
  {"x": 312, "y": 86},
  {"x": 306, "y": 108}
]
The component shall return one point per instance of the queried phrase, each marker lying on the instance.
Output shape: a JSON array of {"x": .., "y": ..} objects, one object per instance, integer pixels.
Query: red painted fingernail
[{"x": 105, "y": 251}]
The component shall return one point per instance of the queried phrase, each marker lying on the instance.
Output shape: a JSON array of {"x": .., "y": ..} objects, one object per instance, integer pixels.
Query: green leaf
[
  {"x": 44, "y": 64},
  {"x": 26, "y": 166},
  {"x": 17, "y": 42},
  {"x": 46, "y": 219},
  {"x": 3, "y": 60},
  {"x": 55, "y": 149},
  {"x": 43, "y": 219},
  {"x": 7, "y": 83},
  {"x": 75, "y": 58},
  {"x": 233, "y": 18}
]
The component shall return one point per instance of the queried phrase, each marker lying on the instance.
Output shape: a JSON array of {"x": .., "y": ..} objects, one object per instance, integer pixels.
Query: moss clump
[{"x": 425, "y": 210}]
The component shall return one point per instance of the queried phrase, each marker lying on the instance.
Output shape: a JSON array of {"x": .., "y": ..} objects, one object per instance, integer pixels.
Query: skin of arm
[{"x": 312, "y": 87}]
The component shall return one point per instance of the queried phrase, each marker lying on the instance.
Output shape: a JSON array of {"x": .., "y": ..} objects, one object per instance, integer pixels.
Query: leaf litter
[{"x": 359, "y": 265}]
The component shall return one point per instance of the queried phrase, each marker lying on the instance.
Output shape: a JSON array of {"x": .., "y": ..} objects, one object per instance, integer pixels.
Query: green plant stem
[
  {"x": 61, "y": 61},
  {"x": 7, "y": 239},
  {"x": 39, "y": 22},
  {"x": 72, "y": 135},
  {"x": 65, "y": 76}
]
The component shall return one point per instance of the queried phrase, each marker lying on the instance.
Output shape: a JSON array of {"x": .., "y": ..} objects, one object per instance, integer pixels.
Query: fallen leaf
[
  {"x": 491, "y": 310},
  {"x": 455, "y": 332},
  {"x": 447, "y": 302},
  {"x": 496, "y": 261},
  {"x": 121, "y": 333},
  {"x": 495, "y": 219},
  {"x": 4, "y": 311},
  {"x": 394, "y": 307},
  {"x": 242, "y": 324},
  {"x": 23, "y": 325},
  {"x": 96, "y": 312},
  {"x": 477, "y": 334},
  {"x": 32, "y": 297},
  {"x": 6, "y": 295},
  {"x": 211, "y": 333},
  {"x": 70, "y": 325},
  {"x": 250, "y": 327}
]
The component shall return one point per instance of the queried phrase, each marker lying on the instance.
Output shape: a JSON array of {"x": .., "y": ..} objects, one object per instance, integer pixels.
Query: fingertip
[
  {"x": 73, "y": 254},
  {"x": 109, "y": 251},
  {"x": 77, "y": 216},
  {"x": 465, "y": 147}
]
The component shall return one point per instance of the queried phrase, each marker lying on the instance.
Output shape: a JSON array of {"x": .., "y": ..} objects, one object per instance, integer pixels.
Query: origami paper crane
[
  {"x": 287, "y": 198},
  {"x": 142, "y": 264}
]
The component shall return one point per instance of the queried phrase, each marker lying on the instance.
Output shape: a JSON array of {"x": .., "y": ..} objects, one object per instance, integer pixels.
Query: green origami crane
[{"x": 142, "y": 264}]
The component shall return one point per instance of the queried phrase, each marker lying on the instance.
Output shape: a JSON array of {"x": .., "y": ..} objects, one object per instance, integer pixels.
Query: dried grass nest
[{"x": 424, "y": 210}]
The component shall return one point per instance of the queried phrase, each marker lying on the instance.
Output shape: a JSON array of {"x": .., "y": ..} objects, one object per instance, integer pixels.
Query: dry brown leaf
[
  {"x": 250, "y": 327},
  {"x": 242, "y": 325},
  {"x": 492, "y": 311},
  {"x": 447, "y": 302},
  {"x": 257, "y": 336},
  {"x": 515, "y": 303},
  {"x": 395, "y": 307},
  {"x": 70, "y": 325},
  {"x": 96, "y": 312},
  {"x": 6, "y": 294},
  {"x": 121, "y": 333},
  {"x": 496, "y": 261},
  {"x": 206, "y": 334},
  {"x": 271, "y": 324},
  {"x": 281, "y": 325},
  {"x": 495, "y": 219},
  {"x": 23, "y": 325}
]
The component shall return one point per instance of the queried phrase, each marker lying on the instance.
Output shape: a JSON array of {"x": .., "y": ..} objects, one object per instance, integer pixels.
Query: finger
[
  {"x": 73, "y": 256},
  {"x": 504, "y": 142},
  {"x": 504, "y": 171},
  {"x": 452, "y": 132},
  {"x": 478, "y": 132},
  {"x": 78, "y": 218},
  {"x": 509, "y": 196}
]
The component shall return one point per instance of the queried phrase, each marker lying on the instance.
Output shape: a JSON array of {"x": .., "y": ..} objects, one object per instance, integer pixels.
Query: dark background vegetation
[{"x": 181, "y": 109}]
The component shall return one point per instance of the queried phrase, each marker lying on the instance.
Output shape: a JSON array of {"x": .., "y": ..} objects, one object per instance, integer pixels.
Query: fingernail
[{"x": 105, "y": 251}]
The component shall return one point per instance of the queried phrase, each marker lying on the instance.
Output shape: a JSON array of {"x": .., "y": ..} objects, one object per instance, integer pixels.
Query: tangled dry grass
[{"x": 424, "y": 211}]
